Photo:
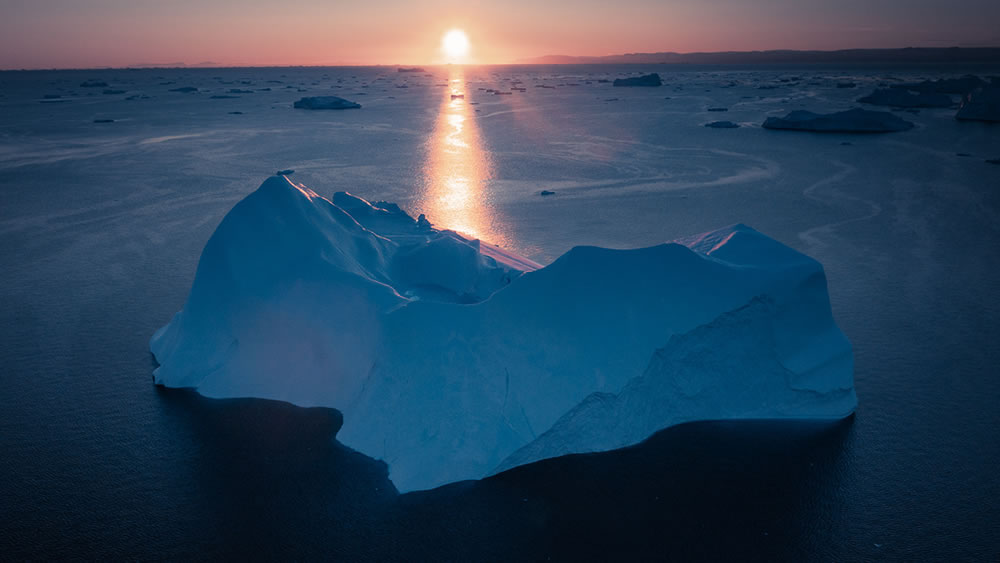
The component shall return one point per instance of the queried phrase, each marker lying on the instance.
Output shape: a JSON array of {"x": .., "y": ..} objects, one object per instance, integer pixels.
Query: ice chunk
[
  {"x": 452, "y": 359},
  {"x": 850, "y": 121},
  {"x": 326, "y": 102},
  {"x": 896, "y": 97},
  {"x": 981, "y": 105},
  {"x": 722, "y": 125},
  {"x": 644, "y": 80}
]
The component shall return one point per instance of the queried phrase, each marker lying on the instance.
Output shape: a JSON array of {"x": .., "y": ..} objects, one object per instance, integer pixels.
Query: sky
[{"x": 98, "y": 33}]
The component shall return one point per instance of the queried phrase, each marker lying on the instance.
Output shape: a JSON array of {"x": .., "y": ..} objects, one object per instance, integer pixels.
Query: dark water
[{"x": 97, "y": 463}]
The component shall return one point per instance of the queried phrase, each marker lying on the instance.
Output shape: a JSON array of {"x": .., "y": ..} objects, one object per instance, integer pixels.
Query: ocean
[{"x": 102, "y": 224}]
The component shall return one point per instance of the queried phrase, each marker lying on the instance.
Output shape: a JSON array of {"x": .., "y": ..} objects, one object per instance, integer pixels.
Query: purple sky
[{"x": 87, "y": 33}]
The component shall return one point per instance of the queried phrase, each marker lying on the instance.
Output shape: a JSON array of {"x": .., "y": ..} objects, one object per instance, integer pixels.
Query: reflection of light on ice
[{"x": 457, "y": 171}]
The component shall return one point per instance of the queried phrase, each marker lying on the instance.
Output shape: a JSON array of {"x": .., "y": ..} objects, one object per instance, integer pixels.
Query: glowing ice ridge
[{"x": 452, "y": 359}]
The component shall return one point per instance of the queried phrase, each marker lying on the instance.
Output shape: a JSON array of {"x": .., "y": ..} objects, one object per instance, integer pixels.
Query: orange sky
[{"x": 87, "y": 33}]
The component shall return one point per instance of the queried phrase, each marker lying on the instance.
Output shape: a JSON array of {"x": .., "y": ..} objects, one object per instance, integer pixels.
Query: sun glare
[{"x": 455, "y": 44}]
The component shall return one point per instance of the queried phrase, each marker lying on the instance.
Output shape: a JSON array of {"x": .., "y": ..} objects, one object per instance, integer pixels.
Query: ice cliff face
[{"x": 452, "y": 359}]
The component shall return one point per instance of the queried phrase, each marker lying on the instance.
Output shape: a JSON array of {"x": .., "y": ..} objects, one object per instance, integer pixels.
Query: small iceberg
[
  {"x": 326, "y": 102},
  {"x": 981, "y": 105},
  {"x": 962, "y": 85},
  {"x": 722, "y": 125},
  {"x": 850, "y": 121},
  {"x": 644, "y": 80},
  {"x": 900, "y": 98}
]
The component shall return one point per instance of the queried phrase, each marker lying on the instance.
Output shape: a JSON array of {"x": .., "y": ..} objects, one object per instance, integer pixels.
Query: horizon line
[{"x": 528, "y": 61}]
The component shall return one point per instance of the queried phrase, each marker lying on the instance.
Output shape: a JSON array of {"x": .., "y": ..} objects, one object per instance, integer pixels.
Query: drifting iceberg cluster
[{"x": 452, "y": 359}]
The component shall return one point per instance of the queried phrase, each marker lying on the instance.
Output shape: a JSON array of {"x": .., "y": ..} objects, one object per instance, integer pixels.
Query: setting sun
[{"x": 455, "y": 44}]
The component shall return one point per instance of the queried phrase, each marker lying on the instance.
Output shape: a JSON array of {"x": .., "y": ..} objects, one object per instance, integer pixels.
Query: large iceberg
[{"x": 452, "y": 359}]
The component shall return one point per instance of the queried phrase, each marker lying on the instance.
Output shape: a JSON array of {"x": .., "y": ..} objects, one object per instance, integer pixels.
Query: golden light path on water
[{"x": 458, "y": 170}]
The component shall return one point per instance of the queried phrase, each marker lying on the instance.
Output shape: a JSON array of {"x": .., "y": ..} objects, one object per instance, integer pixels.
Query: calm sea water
[{"x": 101, "y": 226}]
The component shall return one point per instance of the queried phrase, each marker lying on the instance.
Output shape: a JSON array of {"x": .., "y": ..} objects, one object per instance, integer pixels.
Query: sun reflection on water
[{"x": 458, "y": 170}]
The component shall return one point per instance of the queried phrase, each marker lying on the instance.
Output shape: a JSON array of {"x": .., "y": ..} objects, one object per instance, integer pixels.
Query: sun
[{"x": 455, "y": 44}]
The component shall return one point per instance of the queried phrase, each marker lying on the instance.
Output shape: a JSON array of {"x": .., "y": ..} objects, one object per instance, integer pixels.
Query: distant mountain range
[
  {"x": 206, "y": 64},
  {"x": 905, "y": 55}
]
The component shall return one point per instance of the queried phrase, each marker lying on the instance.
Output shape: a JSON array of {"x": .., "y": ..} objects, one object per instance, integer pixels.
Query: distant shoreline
[{"x": 907, "y": 55}]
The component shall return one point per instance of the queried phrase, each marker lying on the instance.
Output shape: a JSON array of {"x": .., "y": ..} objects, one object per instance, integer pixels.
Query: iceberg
[
  {"x": 899, "y": 98},
  {"x": 850, "y": 121},
  {"x": 453, "y": 359},
  {"x": 981, "y": 105},
  {"x": 722, "y": 125},
  {"x": 962, "y": 85},
  {"x": 325, "y": 102},
  {"x": 644, "y": 80}
]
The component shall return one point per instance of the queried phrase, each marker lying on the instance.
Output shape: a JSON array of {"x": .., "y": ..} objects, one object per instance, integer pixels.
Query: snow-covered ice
[
  {"x": 850, "y": 121},
  {"x": 453, "y": 359}
]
